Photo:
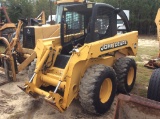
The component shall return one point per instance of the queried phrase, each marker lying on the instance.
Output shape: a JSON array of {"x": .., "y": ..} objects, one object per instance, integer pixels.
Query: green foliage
[
  {"x": 14, "y": 11},
  {"x": 44, "y": 5},
  {"x": 19, "y": 9},
  {"x": 142, "y": 13},
  {"x": 28, "y": 9}
]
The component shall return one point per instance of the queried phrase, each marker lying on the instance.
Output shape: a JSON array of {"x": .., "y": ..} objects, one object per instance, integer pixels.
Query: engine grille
[{"x": 29, "y": 38}]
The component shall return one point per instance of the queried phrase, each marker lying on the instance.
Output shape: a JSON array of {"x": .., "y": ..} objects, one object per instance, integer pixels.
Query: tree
[
  {"x": 44, "y": 5},
  {"x": 142, "y": 13},
  {"x": 27, "y": 8},
  {"x": 19, "y": 9}
]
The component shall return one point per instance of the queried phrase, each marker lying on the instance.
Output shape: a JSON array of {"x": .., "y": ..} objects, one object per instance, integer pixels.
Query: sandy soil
[{"x": 15, "y": 104}]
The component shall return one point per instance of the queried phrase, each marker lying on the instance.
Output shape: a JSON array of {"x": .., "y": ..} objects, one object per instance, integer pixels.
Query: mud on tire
[
  {"x": 125, "y": 69},
  {"x": 98, "y": 89},
  {"x": 154, "y": 86}
]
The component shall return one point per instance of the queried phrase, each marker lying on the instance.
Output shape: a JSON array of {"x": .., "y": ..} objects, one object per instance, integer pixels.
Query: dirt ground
[{"x": 15, "y": 104}]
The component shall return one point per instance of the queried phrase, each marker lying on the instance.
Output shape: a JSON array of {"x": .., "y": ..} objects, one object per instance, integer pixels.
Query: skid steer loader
[
  {"x": 6, "y": 26},
  {"x": 87, "y": 59}
]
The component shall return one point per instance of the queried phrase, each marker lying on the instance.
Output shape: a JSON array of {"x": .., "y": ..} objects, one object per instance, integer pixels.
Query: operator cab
[{"x": 85, "y": 23}]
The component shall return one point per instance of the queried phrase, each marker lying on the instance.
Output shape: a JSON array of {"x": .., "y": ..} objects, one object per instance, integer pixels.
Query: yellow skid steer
[{"x": 87, "y": 59}]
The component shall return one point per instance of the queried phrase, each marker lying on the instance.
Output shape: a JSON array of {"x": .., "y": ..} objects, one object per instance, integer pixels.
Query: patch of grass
[
  {"x": 142, "y": 92},
  {"x": 151, "y": 51},
  {"x": 146, "y": 53},
  {"x": 143, "y": 73},
  {"x": 142, "y": 80}
]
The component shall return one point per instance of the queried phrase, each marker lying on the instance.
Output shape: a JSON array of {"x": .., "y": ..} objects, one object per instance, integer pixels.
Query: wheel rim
[
  {"x": 105, "y": 90},
  {"x": 130, "y": 76}
]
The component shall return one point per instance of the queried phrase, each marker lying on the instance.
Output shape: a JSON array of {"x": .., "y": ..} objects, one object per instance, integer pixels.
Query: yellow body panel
[
  {"x": 157, "y": 21},
  {"x": 68, "y": 79}
]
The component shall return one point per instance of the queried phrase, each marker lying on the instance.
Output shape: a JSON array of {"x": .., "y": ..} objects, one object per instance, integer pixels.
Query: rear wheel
[
  {"x": 32, "y": 68},
  {"x": 98, "y": 89},
  {"x": 154, "y": 86},
  {"x": 125, "y": 69}
]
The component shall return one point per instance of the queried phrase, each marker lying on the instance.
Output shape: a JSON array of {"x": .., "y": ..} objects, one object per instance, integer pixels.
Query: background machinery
[
  {"x": 154, "y": 63},
  {"x": 84, "y": 58},
  {"x": 17, "y": 54},
  {"x": 154, "y": 83},
  {"x": 133, "y": 106},
  {"x": 6, "y": 27}
]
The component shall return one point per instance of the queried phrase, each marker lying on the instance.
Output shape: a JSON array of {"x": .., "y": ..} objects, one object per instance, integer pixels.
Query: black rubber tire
[
  {"x": 153, "y": 92},
  {"x": 32, "y": 68},
  {"x": 122, "y": 68},
  {"x": 90, "y": 86},
  {"x": 9, "y": 31}
]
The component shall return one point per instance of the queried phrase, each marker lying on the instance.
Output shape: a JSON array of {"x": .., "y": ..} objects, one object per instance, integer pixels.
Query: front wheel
[
  {"x": 98, "y": 89},
  {"x": 154, "y": 86}
]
